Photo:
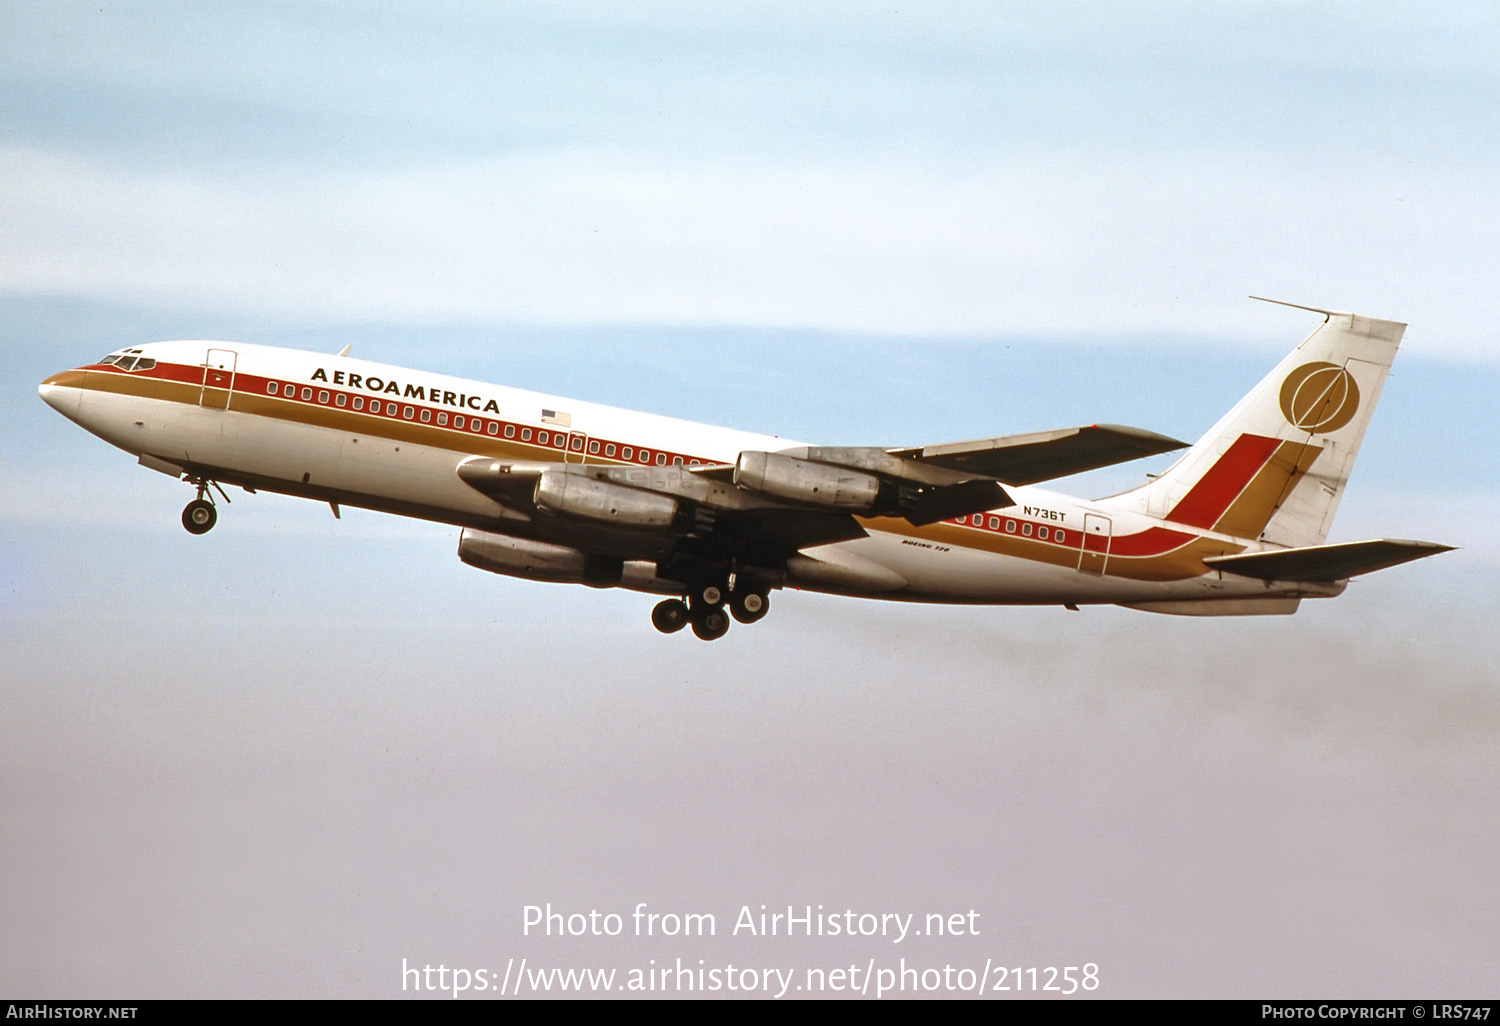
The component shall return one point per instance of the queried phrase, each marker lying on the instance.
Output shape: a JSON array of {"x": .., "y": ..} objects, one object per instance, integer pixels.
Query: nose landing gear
[{"x": 200, "y": 515}]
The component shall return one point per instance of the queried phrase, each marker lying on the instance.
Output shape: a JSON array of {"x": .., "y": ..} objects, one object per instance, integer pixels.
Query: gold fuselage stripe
[{"x": 1157, "y": 554}]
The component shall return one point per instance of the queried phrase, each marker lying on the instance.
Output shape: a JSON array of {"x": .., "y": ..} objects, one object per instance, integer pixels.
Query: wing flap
[
  {"x": 1044, "y": 455},
  {"x": 1326, "y": 563},
  {"x": 957, "y": 501}
]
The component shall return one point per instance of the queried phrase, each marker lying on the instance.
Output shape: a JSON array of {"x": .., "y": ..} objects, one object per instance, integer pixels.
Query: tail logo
[{"x": 1319, "y": 397}]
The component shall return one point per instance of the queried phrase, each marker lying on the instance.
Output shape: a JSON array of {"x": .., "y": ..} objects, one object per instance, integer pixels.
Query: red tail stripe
[
  {"x": 1211, "y": 496},
  {"x": 1154, "y": 541}
]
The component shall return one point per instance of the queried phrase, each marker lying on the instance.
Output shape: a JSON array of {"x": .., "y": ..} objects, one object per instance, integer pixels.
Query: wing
[
  {"x": 767, "y": 506},
  {"x": 670, "y": 514},
  {"x": 1044, "y": 455}
]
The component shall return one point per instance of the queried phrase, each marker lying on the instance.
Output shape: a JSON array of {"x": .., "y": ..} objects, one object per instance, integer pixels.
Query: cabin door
[
  {"x": 1094, "y": 553},
  {"x": 218, "y": 379}
]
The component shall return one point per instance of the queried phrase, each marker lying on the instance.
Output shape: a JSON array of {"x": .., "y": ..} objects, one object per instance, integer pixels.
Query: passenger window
[
  {"x": 442, "y": 420},
  {"x": 994, "y": 523},
  {"x": 374, "y": 405},
  {"x": 477, "y": 425},
  {"x": 458, "y": 420},
  {"x": 306, "y": 394},
  {"x": 407, "y": 412},
  {"x": 272, "y": 388},
  {"x": 359, "y": 402},
  {"x": 1062, "y": 539},
  {"x": 493, "y": 428},
  {"x": 676, "y": 461},
  {"x": 1041, "y": 532},
  {"x": 625, "y": 452},
  {"x": 341, "y": 399},
  {"x": 609, "y": 450},
  {"x": 594, "y": 448},
  {"x": 661, "y": 459},
  {"x": 1010, "y": 527},
  {"x": 1026, "y": 530},
  {"x": 526, "y": 434},
  {"x": 577, "y": 444},
  {"x": 645, "y": 456},
  {"x": 426, "y": 416},
  {"x": 322, "y": 397},
  {"x": 510, "y": 431},
  {"x": 542, "y": 437}
]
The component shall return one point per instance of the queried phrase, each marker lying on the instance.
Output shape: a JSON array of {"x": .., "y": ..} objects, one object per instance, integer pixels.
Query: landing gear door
[
  {"x": 1094, "y": 553},
  {"x": 218, "y": 379}
]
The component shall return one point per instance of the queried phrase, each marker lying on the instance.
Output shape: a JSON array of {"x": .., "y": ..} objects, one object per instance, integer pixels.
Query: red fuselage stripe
[{"x": 1150, "y": 542}]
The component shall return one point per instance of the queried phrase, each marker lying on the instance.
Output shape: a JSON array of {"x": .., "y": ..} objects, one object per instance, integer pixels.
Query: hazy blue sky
[{"x": 280, "y": 758}]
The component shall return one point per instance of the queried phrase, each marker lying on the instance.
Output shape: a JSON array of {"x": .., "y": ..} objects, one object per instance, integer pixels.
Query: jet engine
[
  {"x": 802, "y": 481},
  {"x": 536, "y": 560},
  {"x": 579, "y": 496}
]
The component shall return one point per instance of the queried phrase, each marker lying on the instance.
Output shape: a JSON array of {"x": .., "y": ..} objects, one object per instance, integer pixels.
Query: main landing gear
[
  {"x": 200, "y": 515},
  {"x": 705, "y": 612}
]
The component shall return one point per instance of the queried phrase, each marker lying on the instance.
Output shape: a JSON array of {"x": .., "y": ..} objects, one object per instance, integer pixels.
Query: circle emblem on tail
[{"x": 1319, "y": 397}]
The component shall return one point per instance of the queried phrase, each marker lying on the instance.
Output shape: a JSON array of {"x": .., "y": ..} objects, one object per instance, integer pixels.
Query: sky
[{"x": 280, "y": 759}]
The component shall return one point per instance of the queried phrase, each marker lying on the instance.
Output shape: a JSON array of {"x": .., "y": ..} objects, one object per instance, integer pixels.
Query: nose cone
[{"x": 62, "y": 392}]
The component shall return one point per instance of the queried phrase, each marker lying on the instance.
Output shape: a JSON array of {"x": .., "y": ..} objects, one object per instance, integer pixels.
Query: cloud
[{"x": 1053, "y": 246}]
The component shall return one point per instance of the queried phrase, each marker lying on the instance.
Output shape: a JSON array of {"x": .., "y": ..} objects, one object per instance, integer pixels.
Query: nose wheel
[{"x": 200, "y": 515}]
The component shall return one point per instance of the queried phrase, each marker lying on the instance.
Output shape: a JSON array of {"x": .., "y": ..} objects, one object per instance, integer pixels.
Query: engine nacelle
[
  {"x": 814, "y": 484},
  {"x": 535, "y": 560},
  {"x": 578, "y": 496}
]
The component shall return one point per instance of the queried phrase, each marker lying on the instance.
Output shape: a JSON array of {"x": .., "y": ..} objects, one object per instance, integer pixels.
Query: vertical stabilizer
[{"x": 1274, "y": 468}]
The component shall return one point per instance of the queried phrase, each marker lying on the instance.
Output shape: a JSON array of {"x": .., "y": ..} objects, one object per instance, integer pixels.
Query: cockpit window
[{"x": 126, "y": 362}]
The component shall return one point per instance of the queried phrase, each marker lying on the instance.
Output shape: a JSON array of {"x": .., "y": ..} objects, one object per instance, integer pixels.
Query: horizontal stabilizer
[
  {"x": 1324, "y": 563},
  {"x": 1044, "y": 455}
]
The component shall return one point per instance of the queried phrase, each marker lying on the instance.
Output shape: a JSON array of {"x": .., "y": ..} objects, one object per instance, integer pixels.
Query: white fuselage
[{"x": 353, "y": 432}]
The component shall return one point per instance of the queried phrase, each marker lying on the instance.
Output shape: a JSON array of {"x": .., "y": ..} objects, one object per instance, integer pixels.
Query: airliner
[{"x": 714, "y": 520}]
